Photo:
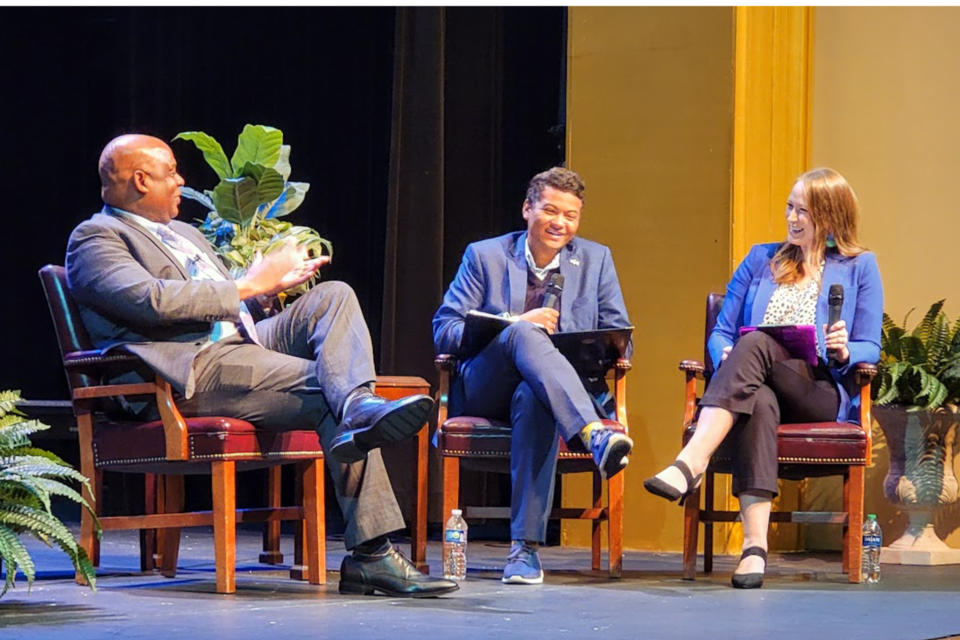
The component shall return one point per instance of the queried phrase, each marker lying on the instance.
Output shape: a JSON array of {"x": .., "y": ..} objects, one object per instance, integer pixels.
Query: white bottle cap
[{"x": 456, "y": 512}]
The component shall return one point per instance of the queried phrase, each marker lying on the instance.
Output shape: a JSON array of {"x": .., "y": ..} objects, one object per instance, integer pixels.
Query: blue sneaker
[
  {"x": 523, "y": 565},
  {"x": 610, "y": 449}
]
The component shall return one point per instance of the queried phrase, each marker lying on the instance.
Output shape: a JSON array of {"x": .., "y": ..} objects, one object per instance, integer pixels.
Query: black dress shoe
[
  {"x": 373, "y": 421},
  {"x": 391, "y": 573}
]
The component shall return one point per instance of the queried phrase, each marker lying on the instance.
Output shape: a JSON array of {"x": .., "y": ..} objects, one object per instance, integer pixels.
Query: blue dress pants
[{"x": 520, "y": 377}]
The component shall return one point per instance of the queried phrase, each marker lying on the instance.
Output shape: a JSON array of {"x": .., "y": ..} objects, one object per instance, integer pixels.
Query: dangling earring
[{"x": 831, "y": 243}]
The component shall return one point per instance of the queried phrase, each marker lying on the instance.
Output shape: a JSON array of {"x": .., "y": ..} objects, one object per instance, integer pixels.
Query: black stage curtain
[
  {"x": 449, "y": 118},
  {"x": 477, "y": 102},
  {"x": 74, "y": 78},
  {"x": 477, "y": 107},
  {"x": 417, "y": 129}
]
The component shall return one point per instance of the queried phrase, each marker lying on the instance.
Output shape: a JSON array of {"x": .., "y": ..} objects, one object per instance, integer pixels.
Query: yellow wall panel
[
  {"x": 650, "y": 128},
  {"x": 886, "y": 94}
]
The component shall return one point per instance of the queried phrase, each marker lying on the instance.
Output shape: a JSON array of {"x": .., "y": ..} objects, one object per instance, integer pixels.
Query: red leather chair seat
[
  {"x": 808, "y": 444},
  {"x": 480, "y": 438},
  {"x": 209, "y": 439}
]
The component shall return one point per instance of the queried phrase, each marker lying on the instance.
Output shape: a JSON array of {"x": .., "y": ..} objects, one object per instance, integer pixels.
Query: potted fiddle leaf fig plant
[
  {"x": 917, "y": 393},
  {"x": 29, "y": 478},
  {"x": 254, "y": 193}
]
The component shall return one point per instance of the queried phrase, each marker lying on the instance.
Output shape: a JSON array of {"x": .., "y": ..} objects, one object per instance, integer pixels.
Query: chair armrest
[
  {"x": 865, "y": 373},
  {"x": 692, "y": 366},
  {"x": 446, "y": 362},
  {"x": 96, "y": 358},
  {"x": 693, "y": 370},
  {"x": 447, "y": 366},
  {"x": 93, "y": 363},
  {"x": 174, "y": 426}
]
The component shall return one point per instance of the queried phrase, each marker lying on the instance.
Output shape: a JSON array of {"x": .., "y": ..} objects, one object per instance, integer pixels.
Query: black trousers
[{"x": 762, "y": 385}]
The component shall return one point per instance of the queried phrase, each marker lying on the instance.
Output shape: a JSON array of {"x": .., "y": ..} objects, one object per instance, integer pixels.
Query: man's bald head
[{"x": 138, "y": 174}]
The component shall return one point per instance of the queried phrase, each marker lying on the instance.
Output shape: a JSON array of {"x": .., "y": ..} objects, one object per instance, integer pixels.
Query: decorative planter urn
[{"x": 921, "y": 479}]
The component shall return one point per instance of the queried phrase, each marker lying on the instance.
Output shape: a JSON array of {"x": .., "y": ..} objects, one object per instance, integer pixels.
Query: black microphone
[
  {"x": 551, "y": 299},
  {"x": 835, "y": 302}
]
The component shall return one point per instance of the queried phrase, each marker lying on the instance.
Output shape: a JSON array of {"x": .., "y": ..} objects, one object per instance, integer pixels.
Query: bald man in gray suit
[{"x": 153, "y": 286}]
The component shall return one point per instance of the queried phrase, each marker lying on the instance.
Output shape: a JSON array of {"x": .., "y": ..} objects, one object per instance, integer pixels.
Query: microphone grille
[
  {"x": 836, "y": 291},
  {"x": 556, "y": 281}
]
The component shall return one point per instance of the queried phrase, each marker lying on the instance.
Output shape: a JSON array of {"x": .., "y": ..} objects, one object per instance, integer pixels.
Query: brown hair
[
  {"x": 560, "y": 179},
  {"x": 833, "y": 209}
]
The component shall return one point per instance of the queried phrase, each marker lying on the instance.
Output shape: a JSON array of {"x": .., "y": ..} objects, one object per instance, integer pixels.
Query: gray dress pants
[{"x": 314, "y": 353}]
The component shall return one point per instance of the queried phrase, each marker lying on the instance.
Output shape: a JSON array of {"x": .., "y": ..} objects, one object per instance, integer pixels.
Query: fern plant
[
  {"x": 254, "y": 192},
  {"x": 29, "y": 477},
  {"x": 919, "y": 369}
]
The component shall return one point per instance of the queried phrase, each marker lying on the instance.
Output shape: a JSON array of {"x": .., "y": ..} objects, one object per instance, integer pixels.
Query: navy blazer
[
  {"x": 493, "y": 279},
  {"x": 752, "y": 286}
]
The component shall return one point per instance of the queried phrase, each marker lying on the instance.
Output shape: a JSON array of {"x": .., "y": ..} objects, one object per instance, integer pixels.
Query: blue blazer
[
  {"x": 493, "y": 278},
  {"x": 752, "y": 286}
]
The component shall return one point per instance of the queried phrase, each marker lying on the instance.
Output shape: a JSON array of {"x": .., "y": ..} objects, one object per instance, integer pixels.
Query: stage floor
[{"x": 804, "y": 596}]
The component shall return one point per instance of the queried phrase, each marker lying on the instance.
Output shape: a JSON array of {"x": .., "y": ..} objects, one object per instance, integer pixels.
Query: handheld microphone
[
  {"x": 551, "y": 299},
  {"x": 835, "y": 303}
]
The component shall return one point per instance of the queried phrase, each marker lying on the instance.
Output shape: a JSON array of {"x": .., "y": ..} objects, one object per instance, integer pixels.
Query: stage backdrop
[{"x": 416, "y": 128}]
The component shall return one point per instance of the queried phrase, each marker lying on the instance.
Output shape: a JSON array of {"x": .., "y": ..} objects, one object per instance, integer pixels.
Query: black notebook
[{"x": 590, "y": 352}]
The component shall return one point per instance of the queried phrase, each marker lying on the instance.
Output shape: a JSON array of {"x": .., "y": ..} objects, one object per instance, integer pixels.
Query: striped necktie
[{"x": 199, "y": 268}]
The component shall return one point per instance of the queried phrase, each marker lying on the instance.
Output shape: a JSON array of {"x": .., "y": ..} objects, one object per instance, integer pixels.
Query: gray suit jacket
[
  {"x": 132, "y": 291},
  {"x": 493, "y": 279}
]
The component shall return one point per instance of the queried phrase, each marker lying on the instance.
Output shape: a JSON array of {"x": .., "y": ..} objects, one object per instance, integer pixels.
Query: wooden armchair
[
  {"x": 804, "y": 451},
  {"x": 485, "y": 444},
  {"x": 167, "y": 449}
]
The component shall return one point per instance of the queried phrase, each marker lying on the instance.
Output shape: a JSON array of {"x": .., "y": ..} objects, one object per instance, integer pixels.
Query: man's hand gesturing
[{"x": 279, "y": 270}]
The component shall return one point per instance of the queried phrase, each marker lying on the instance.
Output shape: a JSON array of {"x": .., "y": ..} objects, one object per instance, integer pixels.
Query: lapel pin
[{"x": 574, "y": 262}]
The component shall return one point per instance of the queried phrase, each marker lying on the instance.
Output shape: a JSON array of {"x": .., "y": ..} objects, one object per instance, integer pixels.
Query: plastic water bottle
[
  {"x": 455, "y": 547},
  {"x": 872, "y": 541}
]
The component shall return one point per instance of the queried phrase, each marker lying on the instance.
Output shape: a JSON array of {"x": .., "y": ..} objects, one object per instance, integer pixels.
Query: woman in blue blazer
[{"x": 757, "y": 383}]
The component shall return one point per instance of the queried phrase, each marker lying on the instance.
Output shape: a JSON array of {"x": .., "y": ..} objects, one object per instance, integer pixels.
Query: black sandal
[
  {"x": 658, "y": 487},
  {"x": 750, "y": 580}
]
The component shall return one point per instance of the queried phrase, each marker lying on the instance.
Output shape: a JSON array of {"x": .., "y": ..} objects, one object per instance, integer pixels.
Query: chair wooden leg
[
  {"x": 94, "y": 495},
  {"x": 225, "y": 524},
  {"x": 173, "y": 502},
  {"x": 845, "y": 555},
  {"x": 451, "y": 485},
  {"x": 271, "y": 530},
  {"x": 298, "y": 570},
  {"x": 596, "y": 543},
  {"x": 418, "y": 528},
  {"x": 853, "y": 491},
  {"x": 709, "y": 505},
  {"x": 691, "y": 530},
  {"x": 314, "y": 522},
  {"x": 615, "y": 487},
  {"x": 150, "y": 539}
]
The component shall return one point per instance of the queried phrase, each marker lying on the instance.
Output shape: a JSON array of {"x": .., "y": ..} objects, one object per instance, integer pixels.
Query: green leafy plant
[
  {"x": 254, "y": 192},
  {"x": 919, "y": 369},
  {"x": 29, "y": 477}
]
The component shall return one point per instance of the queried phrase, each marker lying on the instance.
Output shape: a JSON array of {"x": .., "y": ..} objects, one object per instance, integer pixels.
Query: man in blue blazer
[{"x": 520, "y": 375}]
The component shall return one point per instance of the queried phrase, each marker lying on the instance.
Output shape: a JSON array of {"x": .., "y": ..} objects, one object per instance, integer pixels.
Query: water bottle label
[
  {"x": 452, "y": 535},
  {"x": 871, "y": 540}
]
